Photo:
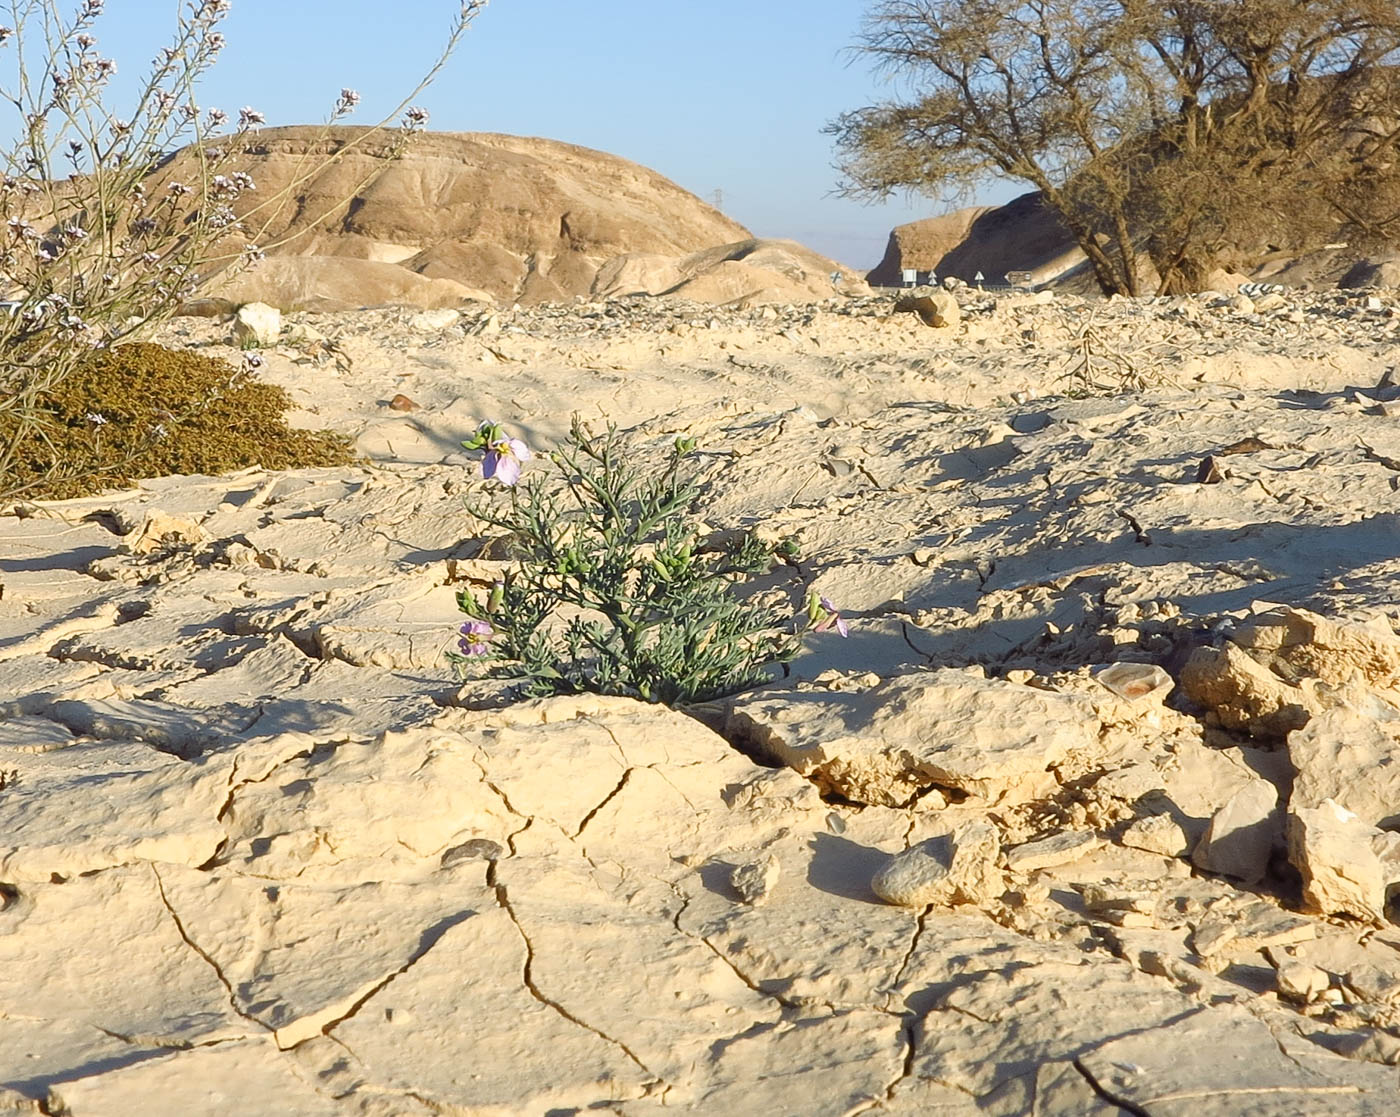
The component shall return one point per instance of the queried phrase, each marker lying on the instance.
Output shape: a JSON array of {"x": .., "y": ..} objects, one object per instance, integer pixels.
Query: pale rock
[
  {"x": 1143, "y": 683},
  {"x": 1129, "y": 904},
  {"x": 1299, "y": 981},
  {"x": 431, "y": 321},
  {"x": 1269, "y": 301},
  {"x": 848, "y": 1060},
  {"x": 1265, "y": 677},
  {"x": 1296, "y": 642},
  {"x": 1242, "y": 834},
  {"x": 1373, "y": 985},
  {"x": 1352, "y": 758},
  {"x": 97, "y": 805},
  {"x": 471, "y": 1058},
  {"x": 1222, "y": 1063},
  {"x": 1158, "y": 833},
  {"x": 1226, "y": 931},
  {"x": 936, "y": 308},
  {"x": 1241, "y": 304},
  {"x": 1058, "y": 849},
  {"x": 1336, "y": 852},
  {"x": 230, "y": 1080},
  {"x": 395, "y": 803},
  {"x": 81, "y": 964},
  {"x": 954, "y": 868},
  {"x": 754, "y": 881},
  {"x": 949, "y": 728},
  {"x": 257, "y": 325},
  {"x": 1242, "y": 693},
  {"x": 301, "y": 956},
  {"x": 158, "y": 530}
]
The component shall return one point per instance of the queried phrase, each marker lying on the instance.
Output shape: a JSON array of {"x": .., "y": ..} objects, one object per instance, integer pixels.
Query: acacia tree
[{"x": 1166, "y": 127}]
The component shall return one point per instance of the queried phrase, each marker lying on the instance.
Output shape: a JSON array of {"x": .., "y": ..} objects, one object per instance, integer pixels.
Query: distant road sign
[{"x": 911, "y": 277}]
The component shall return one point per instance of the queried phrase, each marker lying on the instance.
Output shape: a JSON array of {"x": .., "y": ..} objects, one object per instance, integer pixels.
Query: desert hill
[
  {"x": 505, "y": 217},
  {"x": 1026, "y": 236}
]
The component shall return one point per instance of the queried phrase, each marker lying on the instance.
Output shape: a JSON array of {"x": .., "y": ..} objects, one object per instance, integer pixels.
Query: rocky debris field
[{"x": 1095, "y": 811}]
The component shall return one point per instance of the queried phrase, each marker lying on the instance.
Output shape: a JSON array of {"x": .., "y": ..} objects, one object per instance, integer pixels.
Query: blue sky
[{"x": 727, "y": 95}]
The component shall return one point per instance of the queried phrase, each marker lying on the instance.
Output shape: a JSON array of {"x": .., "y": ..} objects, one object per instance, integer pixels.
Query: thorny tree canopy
[{"x": 1172, "y": 128}]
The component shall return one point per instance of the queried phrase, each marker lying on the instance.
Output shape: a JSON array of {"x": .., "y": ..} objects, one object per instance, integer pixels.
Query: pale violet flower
[
  {"x": 504, "y": 455},
  {"x": 823, "y": 616},
  {"x": 474, "y": 637}
]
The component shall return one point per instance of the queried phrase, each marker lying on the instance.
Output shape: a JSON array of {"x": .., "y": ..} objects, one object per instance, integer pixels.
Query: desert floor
[{"x": 1122, "y": 686}]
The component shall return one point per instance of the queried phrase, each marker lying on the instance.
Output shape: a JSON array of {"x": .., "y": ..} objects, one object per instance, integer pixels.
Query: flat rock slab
[
  {"x": 948, "y": 729},
  {"x": 95, "y": 805}
]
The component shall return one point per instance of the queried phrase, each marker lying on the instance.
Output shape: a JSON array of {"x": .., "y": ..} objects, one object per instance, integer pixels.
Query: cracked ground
[{"x": 261, "y": 853}]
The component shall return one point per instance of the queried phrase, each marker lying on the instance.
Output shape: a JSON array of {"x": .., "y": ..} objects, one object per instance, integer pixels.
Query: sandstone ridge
[{"x": 480, "y": 215}]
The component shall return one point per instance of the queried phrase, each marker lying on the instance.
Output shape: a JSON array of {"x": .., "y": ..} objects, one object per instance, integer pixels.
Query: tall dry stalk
[{"x": 87, "y": 255}]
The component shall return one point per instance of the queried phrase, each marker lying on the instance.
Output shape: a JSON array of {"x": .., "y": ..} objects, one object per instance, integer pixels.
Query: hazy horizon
[{"x": 727, "y": 99}]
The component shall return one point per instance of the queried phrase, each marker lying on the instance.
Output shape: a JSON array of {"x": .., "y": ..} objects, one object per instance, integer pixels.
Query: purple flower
[
  {"x": 823, "y": 616},
  {"x": 474, "y": 637},
  {"x": 504, "y": 455},
  {"x": 503, "y": 460}
]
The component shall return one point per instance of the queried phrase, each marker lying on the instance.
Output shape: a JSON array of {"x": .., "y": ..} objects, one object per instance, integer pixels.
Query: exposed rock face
[
  {"x": 1282, "y": 667},
  {"x": 488, "y": 211},
  {"x": 745, "y": 273},
  {"x": 1347, "y": 866},
  {"x": 947, "y": 729},
  {"x": 1022, "y": 235},
  {"x": 517, "y": 219},
  {"x": 261, "y": 852}
]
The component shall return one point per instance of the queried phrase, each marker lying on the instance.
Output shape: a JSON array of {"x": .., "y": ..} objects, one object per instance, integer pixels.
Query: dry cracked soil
[{"x": 1094, "y": 812}]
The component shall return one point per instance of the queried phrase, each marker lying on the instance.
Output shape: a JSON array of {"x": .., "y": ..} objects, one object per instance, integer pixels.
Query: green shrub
[
  {"x": 613, "y": 590},
  {"x": 141, "y": 410}
]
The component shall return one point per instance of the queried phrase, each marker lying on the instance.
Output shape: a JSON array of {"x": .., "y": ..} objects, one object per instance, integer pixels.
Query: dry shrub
[{"x": 141, "y": 410}]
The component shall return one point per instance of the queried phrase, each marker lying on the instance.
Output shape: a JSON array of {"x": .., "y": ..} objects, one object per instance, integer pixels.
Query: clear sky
[{"x": 718, "y": 95}]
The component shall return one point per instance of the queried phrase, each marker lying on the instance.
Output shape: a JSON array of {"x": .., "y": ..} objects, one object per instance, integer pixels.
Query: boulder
[
  {"x": 1242, "y": 834},
  {"x": 1351, "y": 757},
  {"x": 1346, "y": 864},
  {"x": 954, "y": 868},
  {"x": 934, "y": 307},
  {"x": 257, "y": 325},
  {"x": 949, "y": 728}
]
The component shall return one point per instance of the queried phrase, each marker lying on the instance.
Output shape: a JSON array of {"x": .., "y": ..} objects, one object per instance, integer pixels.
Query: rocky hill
[
  {"x": 501, "y": 217},
  {"x": 1025, "y": 236}
]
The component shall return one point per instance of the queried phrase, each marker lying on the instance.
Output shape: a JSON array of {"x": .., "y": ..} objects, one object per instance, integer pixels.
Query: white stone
[
  {"x": 1242, "y": 834},
  {"x": 257, "y": 325},
  {"x": 433, "y": 320},
  {"x": 955, "y": 868},
  {"x": 754, "y": 880}
]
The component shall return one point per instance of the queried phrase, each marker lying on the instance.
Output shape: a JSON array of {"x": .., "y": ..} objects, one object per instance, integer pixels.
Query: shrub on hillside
[{"x": 140, "y": 410}]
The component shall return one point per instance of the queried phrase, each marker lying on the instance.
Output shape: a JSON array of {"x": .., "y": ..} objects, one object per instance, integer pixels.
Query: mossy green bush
[{"x": 141, "y": 410}]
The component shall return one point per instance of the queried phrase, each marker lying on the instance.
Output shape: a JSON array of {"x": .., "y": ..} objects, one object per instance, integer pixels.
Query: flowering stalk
[{"x": 93, "y": 246}]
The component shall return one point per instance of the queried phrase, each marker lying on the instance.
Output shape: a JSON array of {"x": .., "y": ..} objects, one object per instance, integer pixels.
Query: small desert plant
[
  {"x": 612, "y": 589},
  {"x": 90, "y": 250},
  {"x": 139, "y": 410}
]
